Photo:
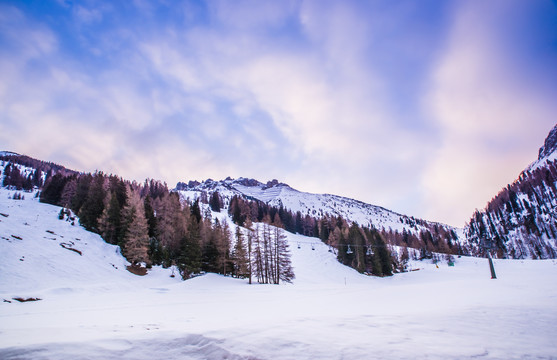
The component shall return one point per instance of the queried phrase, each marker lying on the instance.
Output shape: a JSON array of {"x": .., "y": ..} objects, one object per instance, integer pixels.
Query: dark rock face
[
  {"x": 247, "y": 182},
  {"x": 550, "y": 144}
]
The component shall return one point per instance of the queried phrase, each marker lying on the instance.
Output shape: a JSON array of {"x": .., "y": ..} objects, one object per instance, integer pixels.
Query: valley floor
[
  {"x": 329, "y": 312},
  {"x": 432, "y": 313}
]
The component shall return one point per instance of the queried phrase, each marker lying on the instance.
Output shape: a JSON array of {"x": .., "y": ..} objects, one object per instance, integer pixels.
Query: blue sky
[{"x": 426, "y": 107}]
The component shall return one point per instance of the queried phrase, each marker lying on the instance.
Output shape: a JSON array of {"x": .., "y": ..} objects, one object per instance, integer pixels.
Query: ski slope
[{"x": 92, "y": 308}]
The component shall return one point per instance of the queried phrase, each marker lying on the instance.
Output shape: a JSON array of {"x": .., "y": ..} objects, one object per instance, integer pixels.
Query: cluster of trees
[
  {"x": 364, "y": 249},
  {"x": 429, "y": 239},
  {"x": 18, "y": 196},
  {"x": 152, "y": 226},
  {"x": 521, "y": 220},
  {"x": 27, "y": 180},
  {"x": 361, "y": 248},
  {"x": 13, "y": 177},
  {"x": 268, "y": 255},
  {"x": 241, "y": 209}
]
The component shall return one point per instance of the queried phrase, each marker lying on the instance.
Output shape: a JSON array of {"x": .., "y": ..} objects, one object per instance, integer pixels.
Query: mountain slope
[
  {"x": 41, "y": 253},
  {"x": 521, "y": 221},
  {"x": 278, "y": 194}
]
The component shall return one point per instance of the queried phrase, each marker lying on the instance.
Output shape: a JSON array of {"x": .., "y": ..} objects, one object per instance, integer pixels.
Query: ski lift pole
[{"x": 488, "y": 246}]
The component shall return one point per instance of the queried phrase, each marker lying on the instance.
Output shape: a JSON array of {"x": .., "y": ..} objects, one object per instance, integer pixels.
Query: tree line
[
  {"x": 520, "y": 221},
  {"x": 364, "y": 248},
  {"x": 153, "y": 226},
  {"x": 14, "y": 178}
]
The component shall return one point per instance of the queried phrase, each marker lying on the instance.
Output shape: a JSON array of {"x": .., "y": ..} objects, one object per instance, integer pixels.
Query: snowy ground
[{"x": 92, "y": 308}]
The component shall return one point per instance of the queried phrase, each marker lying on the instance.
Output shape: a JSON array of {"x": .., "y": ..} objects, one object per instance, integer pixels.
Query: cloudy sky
[{"x": 425, "y": 107}]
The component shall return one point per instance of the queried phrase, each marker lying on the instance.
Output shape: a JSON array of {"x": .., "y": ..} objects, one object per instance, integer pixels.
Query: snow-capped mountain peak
[
  {"x": 550, "y": 144},
  {"x": 548, "y": 152},
  {"x": 275, "y": 193}
]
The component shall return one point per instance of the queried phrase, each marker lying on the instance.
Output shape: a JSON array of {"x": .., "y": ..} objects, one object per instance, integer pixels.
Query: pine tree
[
  {"x": 240, "y": 257},
  {"x": 171, "y": 223},
  {"x": 249, "y": 244},
  {"x": 68, "y": 193},
  {"x": 215, "y": 202},
  {"x": 93, "y": 207},
  {"x": 110, "y": 221},
  {"x": 224, "y": 247},
  {"x": 257, "y": 261},
  {"x": 150, "y": 215},
  {"x": 136, "y": 239},
  {"x": 284, "y": 271},
  {"x": 53, "y": 188},
  {"x": 189, "y": 258}
]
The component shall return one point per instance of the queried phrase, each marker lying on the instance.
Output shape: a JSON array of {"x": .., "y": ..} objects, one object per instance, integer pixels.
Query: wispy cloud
[
  {"x": 371, "y": 101},
  {"x": 491, "y": 119}
]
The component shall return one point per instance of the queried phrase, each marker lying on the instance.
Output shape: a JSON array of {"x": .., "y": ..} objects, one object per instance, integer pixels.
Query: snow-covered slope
[
  {"x": 279, "y": 194},
  {"x": 521, "y": 221},
  {"x": 92, "y": 308},
  {"x": 41, "y": 254}
]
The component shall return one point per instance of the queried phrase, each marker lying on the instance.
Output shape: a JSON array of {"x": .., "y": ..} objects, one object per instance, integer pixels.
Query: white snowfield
[{"x": 92, "y": 308}]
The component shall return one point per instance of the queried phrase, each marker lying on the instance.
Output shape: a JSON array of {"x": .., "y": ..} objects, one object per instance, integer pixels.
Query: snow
[
  {"x": 92, "y": 308},
  {"x": 315, "y": 205},
  {"x": 8, "y": 153}
]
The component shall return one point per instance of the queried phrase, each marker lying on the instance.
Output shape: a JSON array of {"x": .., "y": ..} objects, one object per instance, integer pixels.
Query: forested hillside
[{"x": 521, "y": 221}]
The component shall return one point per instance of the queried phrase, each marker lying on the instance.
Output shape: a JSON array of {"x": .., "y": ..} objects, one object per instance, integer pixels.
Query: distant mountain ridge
[{"x": 275, "y": 193}]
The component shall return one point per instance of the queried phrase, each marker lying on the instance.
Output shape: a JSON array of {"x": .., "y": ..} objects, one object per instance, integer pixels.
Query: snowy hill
[
  {"x": 41, "y": 254},
  {"x": 279, "y": 194},
  {"x": 92, "y": 308}
]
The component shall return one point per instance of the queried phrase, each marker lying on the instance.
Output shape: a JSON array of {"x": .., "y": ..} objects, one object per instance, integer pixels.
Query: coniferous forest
[{"x": 153, "y": 226}]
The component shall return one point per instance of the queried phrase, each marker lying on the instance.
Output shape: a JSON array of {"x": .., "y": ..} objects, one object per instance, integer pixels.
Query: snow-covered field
[{"x": 92, "y": 308}]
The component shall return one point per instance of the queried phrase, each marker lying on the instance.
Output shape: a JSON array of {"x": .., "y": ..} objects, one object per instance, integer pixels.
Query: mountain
[
  {"x": 521, "y": 221},
  {"x": 396, "y": 227},
  {"x": 548, "y": 152}
]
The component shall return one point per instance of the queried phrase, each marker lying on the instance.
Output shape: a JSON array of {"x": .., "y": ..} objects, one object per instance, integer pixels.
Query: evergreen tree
[
  {"x": 249, "y": 248},
  {"x": 110, "y": 221},
  {"x": 136, "y": 239},
  {"x": 52, "y": 191},
  {"x": 150, "y": 215},
  {"x": 171, "y": 223},
  {"x": 82, "y": 191},
  {"x": 215, "y": 202},
  {"x": 189, "y": 258},
  {"x": 69, "y": 192},
  {"x": 93, "y": 207},
  {"x": 196, "y": 211},
  {"x": 240, "y": 256},
  {"x": 284, "y": 271}
]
